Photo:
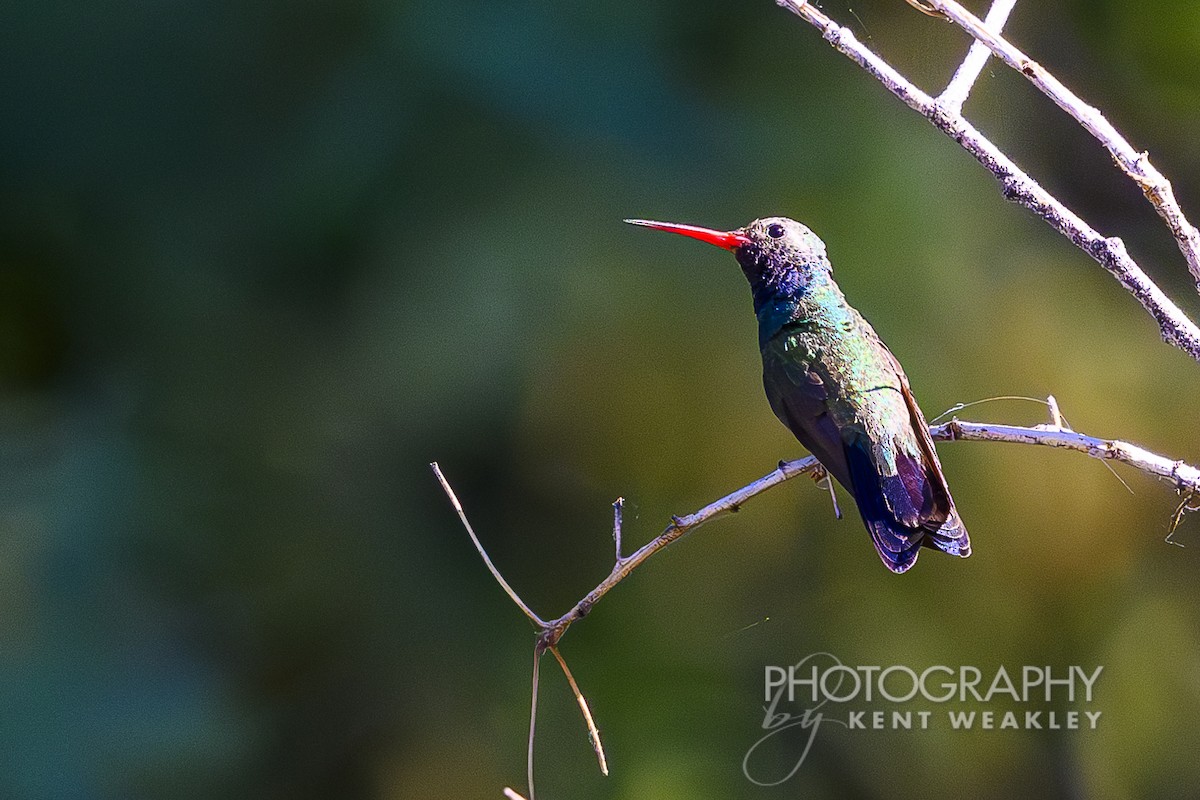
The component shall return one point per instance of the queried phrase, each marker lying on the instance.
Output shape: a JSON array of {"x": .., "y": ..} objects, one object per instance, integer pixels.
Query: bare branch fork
[
  {"x": 1184, "y": 477},
  {"x": 1136, "y": 165},
  {"x": 945, "y": 114}
]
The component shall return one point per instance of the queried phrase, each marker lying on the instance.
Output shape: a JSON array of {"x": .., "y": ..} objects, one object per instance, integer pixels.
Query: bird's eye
[{"x": 775, "y": 230}]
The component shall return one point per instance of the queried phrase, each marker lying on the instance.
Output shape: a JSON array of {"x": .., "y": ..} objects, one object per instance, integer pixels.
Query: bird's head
[{"x": 779, "y": 256}]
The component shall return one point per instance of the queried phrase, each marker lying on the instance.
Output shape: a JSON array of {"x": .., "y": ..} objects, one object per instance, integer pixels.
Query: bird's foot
[{"x": 822, "y": 478}]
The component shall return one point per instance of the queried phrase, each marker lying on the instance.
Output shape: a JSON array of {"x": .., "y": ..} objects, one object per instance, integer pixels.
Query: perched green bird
[{"x": 839, "y": 389}]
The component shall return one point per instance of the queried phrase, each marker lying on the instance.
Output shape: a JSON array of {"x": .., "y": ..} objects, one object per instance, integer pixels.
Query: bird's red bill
[{"x": 728, "y": 240}]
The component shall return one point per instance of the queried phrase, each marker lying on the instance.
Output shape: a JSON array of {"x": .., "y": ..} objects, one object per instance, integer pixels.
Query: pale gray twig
[
  {"x": 483, "y": 553},
  {"x": 968, "y": 71},
  {"x": 1109, "y": 252},
  {"x": 1056, "y": 417},
  {"x": 537, "y": 662},
  {"x": 593, "y": 731},
  {"x": 1185, "y": 477},
  {"x": 826, "y": 482}
]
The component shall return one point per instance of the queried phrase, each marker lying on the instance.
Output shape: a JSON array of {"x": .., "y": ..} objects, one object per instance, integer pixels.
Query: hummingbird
[{"x": 838, "y": 388}]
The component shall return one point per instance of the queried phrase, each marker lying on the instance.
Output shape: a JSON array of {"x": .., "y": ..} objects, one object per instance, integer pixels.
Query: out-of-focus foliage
[{"x": 261, "y": 262}]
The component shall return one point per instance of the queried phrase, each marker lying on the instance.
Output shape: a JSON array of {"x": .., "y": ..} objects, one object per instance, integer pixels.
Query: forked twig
[
  {"x": 968, "y": 71},
  {"x": 1135, "y": 164},
  {"x": 1109, "y": 252},
  {"x": 1184, "y": 477}
]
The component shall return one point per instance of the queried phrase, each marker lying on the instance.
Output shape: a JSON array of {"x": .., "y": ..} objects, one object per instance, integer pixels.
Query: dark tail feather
[
  {"x": 897, "y": 543},
  {"x": 951, "y": 537},
  {"x": 899, "y": 546},
  {"x": 885, "y": 537}
]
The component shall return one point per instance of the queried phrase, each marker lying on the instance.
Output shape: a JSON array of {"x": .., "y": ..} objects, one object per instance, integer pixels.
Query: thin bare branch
[
  {"x": 593, "y": 731},
  {"x": 826, "y": 482},
  {"x": 512, "y": 794},
  {"x": 924, "y": 9},
  {"x": 483, "y": 553},
  {"x": 968, "y": 71},
  {"x": 1190, "y": 502},
  {"x": 1135, "y": 164},
  {"x": 538, "y": 650},
  {"x": 1109, "y": 252},
  {"x": 679, "y": 526},
  {"x": 1184, "y": 476}
]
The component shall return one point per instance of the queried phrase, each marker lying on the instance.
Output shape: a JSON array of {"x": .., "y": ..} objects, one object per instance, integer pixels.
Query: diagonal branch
[
  {"x": 593, "y": 731},
  {"x": 1136, "y": 165},
  {"x": 462, "y": 516},
  {"x": 1016, "y": 185}
]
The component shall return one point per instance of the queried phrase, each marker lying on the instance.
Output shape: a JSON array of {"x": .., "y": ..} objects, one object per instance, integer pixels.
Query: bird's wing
[
  {"x": 940, "y": 518},
  {"x": 899, "y": 484},
  {"x": 799, "y": 398},
  {"x": 892, "y": 470}
]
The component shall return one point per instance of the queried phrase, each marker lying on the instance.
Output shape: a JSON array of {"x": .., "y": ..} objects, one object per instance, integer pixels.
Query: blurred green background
[{"x": 261, "y": 262}]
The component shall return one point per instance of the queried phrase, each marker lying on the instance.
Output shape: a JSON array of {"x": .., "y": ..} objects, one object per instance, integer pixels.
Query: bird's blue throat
[{"x": 777, "y": 290}]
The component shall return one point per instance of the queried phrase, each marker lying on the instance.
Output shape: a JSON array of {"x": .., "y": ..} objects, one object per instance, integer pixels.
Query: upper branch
[
  {"x": 1109, "y": 252},
  {"x": 1137, "y": 165}
]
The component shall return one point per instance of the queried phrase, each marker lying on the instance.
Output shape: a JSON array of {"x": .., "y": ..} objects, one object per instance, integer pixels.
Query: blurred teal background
[{"x": 261, "y": 262}]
